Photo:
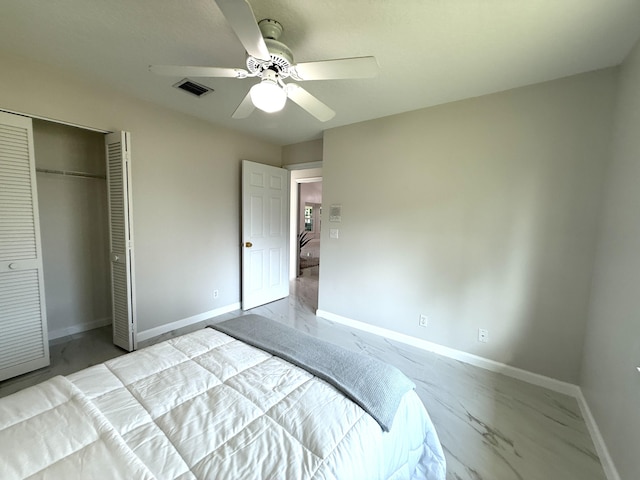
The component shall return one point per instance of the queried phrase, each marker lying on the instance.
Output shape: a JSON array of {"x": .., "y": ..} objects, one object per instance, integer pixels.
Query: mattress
[{"x": 208, "y": 406}]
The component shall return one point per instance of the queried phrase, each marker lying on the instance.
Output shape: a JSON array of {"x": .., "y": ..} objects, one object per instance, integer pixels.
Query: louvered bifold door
[
  {"x": 24, "y": 343},
  {"x": 120, "y": 227}
]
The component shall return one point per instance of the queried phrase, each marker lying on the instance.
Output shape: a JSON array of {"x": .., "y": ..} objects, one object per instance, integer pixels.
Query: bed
[{"x": 209, "y": 405}]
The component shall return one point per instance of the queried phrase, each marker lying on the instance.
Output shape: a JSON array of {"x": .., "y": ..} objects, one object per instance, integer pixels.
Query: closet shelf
[{"x": 70, "y": 173}]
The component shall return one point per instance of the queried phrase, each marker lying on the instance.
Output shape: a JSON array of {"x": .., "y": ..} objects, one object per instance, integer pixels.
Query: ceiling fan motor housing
[
  {"x": 281, "y": 55},
  {"x": 270, "y": 28}
]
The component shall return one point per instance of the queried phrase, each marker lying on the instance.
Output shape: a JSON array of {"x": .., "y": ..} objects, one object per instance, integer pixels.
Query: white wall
[
  {"x": 74, "y": 228},
  {"x": 186, "y": 187},
  {"x": 610, "y": 381},
  {"x": 479, "y": 213}
]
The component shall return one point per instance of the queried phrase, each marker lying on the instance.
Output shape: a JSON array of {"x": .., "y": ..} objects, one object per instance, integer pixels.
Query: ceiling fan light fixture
[{"x": 268, "y": 95}]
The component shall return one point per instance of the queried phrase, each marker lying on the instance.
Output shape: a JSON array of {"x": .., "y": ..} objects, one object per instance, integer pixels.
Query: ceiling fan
[{"x": 272, "y": 62}]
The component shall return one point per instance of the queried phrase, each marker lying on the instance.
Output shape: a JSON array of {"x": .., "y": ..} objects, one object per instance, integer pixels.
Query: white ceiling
[{"x": 429, "y": 51}]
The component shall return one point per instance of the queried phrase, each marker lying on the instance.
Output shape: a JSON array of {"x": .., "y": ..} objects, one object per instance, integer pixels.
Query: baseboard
[
  {"x": 491, "y": 365},
  {"x": 185, "y": 322},
  {"x": 79, "y": 328},
  {"x": 601, "y": 447}
]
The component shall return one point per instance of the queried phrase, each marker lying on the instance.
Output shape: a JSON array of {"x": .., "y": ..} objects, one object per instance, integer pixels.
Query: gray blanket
[{"x": 374, "y": 385}]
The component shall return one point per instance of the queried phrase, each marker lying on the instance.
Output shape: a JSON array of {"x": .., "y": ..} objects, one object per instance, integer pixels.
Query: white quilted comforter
[{"x": 207, "y": 406}]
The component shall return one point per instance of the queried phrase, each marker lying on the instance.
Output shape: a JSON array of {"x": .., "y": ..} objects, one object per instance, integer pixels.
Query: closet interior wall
[{"x": 72, "y": 198}]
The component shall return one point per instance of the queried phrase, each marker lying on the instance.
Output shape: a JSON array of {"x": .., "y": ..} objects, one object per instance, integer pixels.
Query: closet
[
  {"x": 74, "y": 226},
  {"x": 66, "y": 240}
]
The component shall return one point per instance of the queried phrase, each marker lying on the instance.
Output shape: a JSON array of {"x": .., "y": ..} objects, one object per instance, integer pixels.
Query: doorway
[
  {"x": 300, "y": 173},
  {"x": 309, "y": 225}
]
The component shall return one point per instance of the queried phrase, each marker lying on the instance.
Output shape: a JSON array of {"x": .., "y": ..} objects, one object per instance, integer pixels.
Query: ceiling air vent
[{"x": 192, "y": 87}]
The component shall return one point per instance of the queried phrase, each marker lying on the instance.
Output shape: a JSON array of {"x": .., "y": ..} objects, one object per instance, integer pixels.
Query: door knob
[
  {"x": 12, "y": 266},
  {"x": 248, "y": 244}
]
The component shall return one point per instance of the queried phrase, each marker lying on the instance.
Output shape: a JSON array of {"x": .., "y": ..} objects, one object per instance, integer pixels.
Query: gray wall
[
  {"x": 74, "y": 228},
  {"x": 610, "y": 381},
  {"x": 186, "y": 187},
  {"x": 479, "y": 213},
  {"x": 303, "y": 152}
]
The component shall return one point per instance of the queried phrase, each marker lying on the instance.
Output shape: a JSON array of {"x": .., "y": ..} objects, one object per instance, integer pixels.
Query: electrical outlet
[
  {"x": 423, "y": 321},
  {"x": 483, "y": 335},
  {"x": 215, "y": 293}
]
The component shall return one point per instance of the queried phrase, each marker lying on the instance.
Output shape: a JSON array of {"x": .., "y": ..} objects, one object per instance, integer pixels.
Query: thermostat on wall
[{"x": 335, "y": 213}]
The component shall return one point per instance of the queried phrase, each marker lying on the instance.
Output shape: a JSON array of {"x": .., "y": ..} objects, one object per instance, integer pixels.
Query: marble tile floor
[{"x": 492, "y": 427}]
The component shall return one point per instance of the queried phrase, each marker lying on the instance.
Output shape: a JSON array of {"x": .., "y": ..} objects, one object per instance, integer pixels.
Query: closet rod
[{"x": 70, "y": 173}]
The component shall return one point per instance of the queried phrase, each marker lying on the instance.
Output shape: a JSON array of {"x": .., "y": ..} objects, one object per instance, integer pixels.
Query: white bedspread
[
  {"x": 207, "y": 406},
  {"x": 53, "y": 431}
]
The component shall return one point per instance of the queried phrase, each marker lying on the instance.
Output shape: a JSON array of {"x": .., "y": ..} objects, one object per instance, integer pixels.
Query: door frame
[{"x": 300, "y": 173}]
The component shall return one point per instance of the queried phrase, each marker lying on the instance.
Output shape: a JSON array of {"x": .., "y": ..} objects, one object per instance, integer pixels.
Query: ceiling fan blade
[
  {"x": 245, "y": 108},
  {"x": 358, "y": 67},
  {"x": 309, "y": 103},
  {"x": 243, "y": 22},
  {"x": 178, "y": 71}
]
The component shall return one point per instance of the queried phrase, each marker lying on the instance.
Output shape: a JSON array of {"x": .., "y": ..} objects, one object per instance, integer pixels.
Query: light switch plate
[{"x": 333, "y": 233}]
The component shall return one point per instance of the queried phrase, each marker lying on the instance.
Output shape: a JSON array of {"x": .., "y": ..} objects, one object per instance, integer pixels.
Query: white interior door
[
  {"x": 265, "y": 236},
  {"x": 118, "y": 146},
  {"x": 24, "y": 343}
]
